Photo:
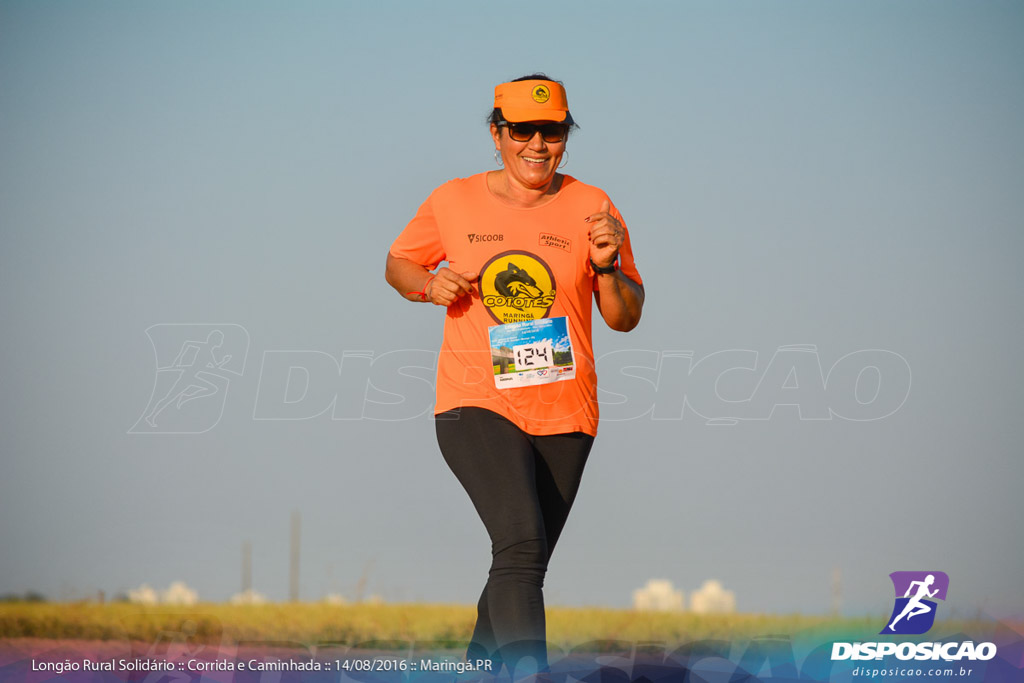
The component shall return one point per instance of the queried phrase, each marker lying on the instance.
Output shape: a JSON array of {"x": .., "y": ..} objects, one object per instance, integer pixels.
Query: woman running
[{"x": 528, "y": 251}]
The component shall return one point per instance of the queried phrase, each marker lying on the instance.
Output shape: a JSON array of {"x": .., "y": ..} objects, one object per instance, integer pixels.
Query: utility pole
[
  {"x": 246, "y": 567},
  {"x": 837, "y": 591},
  {"x": 293, "y": 574}
]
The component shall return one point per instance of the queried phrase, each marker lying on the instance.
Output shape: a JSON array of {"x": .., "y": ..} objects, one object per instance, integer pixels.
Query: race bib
[{"x": 531, "y": 352}]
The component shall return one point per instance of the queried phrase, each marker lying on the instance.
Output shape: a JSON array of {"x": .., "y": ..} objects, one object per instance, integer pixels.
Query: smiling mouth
[{"x": 533, "y": 160}]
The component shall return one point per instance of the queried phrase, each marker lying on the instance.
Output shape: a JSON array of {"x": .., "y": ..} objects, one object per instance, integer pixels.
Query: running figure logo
[
  {"x": 194, "y": 365},
  {"x": 914, "y": 613}
]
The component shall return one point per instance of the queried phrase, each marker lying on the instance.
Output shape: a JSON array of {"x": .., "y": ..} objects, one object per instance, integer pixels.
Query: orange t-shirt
[{"x": 533, "y": 264}]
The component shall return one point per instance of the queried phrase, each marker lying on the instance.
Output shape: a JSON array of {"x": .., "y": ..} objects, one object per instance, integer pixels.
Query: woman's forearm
[
  {"x": 408, "y": 278},
  {"x": 620, "y": 300}
]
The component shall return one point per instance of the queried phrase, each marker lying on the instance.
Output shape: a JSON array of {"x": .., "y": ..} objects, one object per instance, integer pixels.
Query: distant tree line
[{"x": 27, "y": 596}]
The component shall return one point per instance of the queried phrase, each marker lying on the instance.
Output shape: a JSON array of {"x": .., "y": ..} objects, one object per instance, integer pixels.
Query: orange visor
[{"x": 531, "y": 101}]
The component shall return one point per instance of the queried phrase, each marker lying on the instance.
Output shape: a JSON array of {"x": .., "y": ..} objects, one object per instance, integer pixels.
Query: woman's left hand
[{"x": 606, "y": 236}]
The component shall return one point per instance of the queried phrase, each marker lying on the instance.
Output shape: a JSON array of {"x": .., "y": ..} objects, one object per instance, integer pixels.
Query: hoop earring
[
  {"x": 497, "y": 159},
  {"x": 565, "y": 159}
]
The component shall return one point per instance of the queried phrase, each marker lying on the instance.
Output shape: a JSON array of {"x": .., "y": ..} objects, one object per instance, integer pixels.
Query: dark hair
[{"x": 497, "y": 117}]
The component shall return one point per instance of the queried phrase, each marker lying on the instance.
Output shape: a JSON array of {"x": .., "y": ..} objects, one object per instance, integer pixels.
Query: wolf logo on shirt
[
  {"x": 517, "y": 286},
  {"x": 516, "y": 283}
]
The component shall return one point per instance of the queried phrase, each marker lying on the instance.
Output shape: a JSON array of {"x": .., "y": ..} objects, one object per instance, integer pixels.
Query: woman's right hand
[{"x": 447, "y": 286}]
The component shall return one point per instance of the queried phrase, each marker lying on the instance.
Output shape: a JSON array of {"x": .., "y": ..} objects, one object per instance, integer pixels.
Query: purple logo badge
[{"x": 914, "y": 611}]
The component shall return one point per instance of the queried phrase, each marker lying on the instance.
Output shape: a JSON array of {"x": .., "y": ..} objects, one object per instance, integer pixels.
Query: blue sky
[{"x": 837, "y": 180}]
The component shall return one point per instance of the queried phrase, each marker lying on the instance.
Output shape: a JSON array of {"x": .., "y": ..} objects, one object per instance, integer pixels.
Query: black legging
[{"x": 522, "y": 487}]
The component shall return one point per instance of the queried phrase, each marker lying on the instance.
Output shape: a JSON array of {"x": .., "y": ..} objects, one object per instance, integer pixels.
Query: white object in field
[
  {"x": 658, "y": 595},
  {"x": 712, "y": 598},
  {"x": 248, "y": 597}
]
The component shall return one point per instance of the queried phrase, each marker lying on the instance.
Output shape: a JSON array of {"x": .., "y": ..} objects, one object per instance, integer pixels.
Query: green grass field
[{"x": 394, "y": 626}]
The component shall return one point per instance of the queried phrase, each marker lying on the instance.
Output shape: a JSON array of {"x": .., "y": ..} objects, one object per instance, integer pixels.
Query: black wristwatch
[{"x": 604, "y": 271}]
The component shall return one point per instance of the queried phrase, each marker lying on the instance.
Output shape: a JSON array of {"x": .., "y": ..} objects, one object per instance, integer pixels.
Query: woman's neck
[{"x": 500, "y": 184}]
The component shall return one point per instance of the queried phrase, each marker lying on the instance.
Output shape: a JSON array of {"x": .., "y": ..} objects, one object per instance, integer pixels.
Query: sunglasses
[{"x": 523, "y": 132}]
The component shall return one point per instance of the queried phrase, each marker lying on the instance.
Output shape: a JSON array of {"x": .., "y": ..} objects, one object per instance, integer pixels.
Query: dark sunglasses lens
[
  {"x": 552, "y": 132},
  {"x": 521, "y": 132}
]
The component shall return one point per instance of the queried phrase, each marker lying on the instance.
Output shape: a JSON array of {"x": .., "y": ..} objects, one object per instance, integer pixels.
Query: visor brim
[{"x": 519, "y": 115}]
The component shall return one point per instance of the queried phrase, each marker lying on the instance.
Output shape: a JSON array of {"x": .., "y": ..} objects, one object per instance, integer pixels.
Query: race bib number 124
[{"x": 531, "y": 352}]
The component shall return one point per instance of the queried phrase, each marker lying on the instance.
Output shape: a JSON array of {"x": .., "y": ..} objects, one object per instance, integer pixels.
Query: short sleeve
[
  {"x": 626, "y": 263},
  {"x": 420, "y": 241}
]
